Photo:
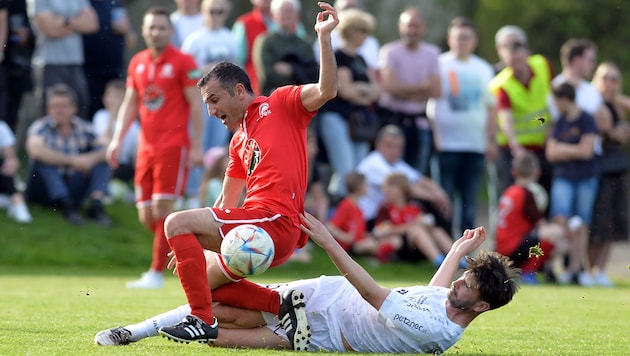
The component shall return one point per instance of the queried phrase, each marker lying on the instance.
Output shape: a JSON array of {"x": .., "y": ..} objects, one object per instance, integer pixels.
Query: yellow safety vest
[{"x": 528, "y": 103}]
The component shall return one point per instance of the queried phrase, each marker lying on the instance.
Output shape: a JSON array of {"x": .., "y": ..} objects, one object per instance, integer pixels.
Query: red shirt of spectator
[
  {"x": 518, "y": 215},
  {"x": 254, "y": 24},
  {"x": 160, "y": 83},
  {"x": 348, "y": 217}
]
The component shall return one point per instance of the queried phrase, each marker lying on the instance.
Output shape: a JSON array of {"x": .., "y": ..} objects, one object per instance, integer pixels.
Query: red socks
[
  {"x": 191, "y": 268},
  {"x": 248, "y": 295},
  {"x": 160, "y": 247}
]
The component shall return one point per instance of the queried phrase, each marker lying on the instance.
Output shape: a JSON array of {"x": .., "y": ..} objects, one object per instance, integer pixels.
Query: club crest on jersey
[
  {"x": 263, "y": 110},
  {"x": 252, "y": 155}
]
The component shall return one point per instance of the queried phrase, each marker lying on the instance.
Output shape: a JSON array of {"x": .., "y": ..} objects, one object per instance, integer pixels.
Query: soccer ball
[{"x": 247, "y": 250}]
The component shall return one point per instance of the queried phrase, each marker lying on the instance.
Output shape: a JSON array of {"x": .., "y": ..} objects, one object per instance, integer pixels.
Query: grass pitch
[{"x": 59, "y": 315}]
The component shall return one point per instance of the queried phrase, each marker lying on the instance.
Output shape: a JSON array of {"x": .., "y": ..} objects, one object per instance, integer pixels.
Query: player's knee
[{"x": 174, "y": 224}]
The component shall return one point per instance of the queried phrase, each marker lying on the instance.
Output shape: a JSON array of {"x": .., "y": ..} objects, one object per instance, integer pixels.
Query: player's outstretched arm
[
  {"x": 356, "y": 275},
  {"x": 315, "y": 95},
  {"x": 470, "y": 240}
]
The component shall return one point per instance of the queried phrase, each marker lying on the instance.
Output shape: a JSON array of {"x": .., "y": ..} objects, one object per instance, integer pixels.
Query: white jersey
[
  {"x": 376, "y": 169},
  {"x": 411, "y": 319},
  {"x": 7, "y": 138}
]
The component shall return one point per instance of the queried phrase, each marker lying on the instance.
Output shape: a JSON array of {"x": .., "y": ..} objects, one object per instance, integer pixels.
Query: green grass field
[{"x": 60, "y": 284}]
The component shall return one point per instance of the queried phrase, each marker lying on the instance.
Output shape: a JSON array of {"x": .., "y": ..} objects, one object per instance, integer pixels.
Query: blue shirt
[{"x": 571, "y": 132}]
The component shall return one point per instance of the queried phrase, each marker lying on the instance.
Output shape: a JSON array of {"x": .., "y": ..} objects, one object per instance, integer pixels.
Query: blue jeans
[
  {"x": 461, "y": 174},
  {"x": 425, "y": 151},
  {"x": 573, "y": 197},
  {"x": 47, "y": 186},
  {"x": 344, "y": 154},
  {"x": 214, "y": 134}
]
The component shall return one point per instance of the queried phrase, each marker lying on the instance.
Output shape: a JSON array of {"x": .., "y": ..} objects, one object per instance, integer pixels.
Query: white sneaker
[
  {"x": 601, "y": 279},
  {"x": 585, "y": 279},
  {"x": 19, "y": 212},
  {"x": 5, "y": 201},
  {"x": 149, "y": 280}
]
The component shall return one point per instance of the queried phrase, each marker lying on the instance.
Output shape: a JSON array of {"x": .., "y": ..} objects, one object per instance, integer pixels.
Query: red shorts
[
  {"x": 160, "y": 174},
  {"x": 284, "y": 232}
]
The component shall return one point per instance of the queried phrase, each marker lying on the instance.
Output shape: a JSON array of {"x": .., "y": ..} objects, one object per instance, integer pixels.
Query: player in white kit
[{"x": 353, "y": 313}]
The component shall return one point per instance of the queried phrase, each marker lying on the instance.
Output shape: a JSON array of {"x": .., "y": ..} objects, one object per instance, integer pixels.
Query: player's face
[
  {"x": 220, "y": 104},
  {"x": 156, "y": 31},
  {"x": 461, "y": 296}
]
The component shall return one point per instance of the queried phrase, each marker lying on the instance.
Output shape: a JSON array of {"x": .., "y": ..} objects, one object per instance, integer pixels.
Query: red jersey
[
  {"x": 398, "y": 215},
  {"x": 349, "y": 218},
  {"x": 254, "y": 24},
  {"x": 518, "y": 214},
  {"x": 268, "y": 150},
  {"x": 160, "y": 83}
]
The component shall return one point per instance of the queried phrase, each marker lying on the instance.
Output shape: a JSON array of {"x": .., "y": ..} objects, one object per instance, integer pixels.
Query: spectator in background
[
  {"x": 409, "y": 71},
  {"x": 387, "y": 159},
  {"x": 368, "y": 49},
  {"x": 348, "y": 227},
  {"x": 280, "y": 56},
  {"x": 575, "y": 178},
  {"x": 186, "y": 19},
  {"x": 610, "y": 215},
  {"x": 579, "y": 58},
  {"x": 522, "y": 224},
  {"x": 161, "y": 90},
  {"x": 464, "y": 120},
  {"x": 104, "y": 51},
  {"x": 521, "y": 90},
  {"x": 10, "y": 197},
  {"x": 103, "y": 122},
  {"x": 247, "y": 28},
  {"x": 398, "y": 216},
  {"x": 215, "y": 162},
  {"x": 17, "y": 62},
  {"x": 316, "y": 202},
  {"x": 59, "y": 55},
  {"x": 67, "y": 160},
  {"x": 209, "y": 45},
  {"x": 357, "y": 93}
]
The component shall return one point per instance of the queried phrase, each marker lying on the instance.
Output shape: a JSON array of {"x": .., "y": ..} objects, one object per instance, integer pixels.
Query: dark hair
[
  {"x": 564, "y": 90},
  {"x": 61, "y": 89},
  {"x": 461, "y": 21},
  {"x": 159, "y": 11},
  {"x": 525, "y": 165},
  {"x": 494, "y": 276},
  {"x": 353, "y": 181},
  {"x": 575, "y": 47},
  {"x": 228, "y": 74},
  {"x": 399, "y": 180}
]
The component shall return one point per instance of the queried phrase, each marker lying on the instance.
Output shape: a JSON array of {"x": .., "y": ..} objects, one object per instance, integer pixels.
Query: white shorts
[{"x": 320, "y": 294}]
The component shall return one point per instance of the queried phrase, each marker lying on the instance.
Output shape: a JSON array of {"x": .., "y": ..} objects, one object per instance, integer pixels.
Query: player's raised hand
[
  {"x": 327, "y": 19},
  {"x": 470, "y": 240}
]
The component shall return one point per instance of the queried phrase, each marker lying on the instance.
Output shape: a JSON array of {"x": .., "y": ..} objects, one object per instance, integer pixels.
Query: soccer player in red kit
[
  {"x": 161, "y": 88},
  {"x": 268, "y": 158}
]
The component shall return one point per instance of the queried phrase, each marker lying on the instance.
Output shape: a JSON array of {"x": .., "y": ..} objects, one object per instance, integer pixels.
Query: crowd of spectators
[{"x": 397, "y": 159}]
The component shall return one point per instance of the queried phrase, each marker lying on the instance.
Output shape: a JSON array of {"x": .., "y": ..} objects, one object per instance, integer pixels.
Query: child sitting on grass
[
  {"x": 399, "y": 216},
  {"x": 521, "y": 224},
  {"x": 348, "y": 226}
]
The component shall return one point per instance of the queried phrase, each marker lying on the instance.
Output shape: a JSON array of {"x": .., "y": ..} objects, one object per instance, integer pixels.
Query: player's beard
[{"x": 460, "y": 304}]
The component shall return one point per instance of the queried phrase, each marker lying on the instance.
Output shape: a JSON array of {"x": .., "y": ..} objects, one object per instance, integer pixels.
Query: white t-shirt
[
  {"x": 211, "y": 46},
  {"x": 376, "y": 169},
  {"x": 129, "y": 149},
  {"x": 410, "y": 320},
  {"x": 587, "y": 97},
  {"x": 7, "y": 138},
  {"x": 461, "y": 114},
  {"x": 184, "y": 25}
]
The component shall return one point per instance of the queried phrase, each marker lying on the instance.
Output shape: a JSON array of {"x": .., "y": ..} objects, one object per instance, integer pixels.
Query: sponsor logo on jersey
[{"x": 263, "y": 110}]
